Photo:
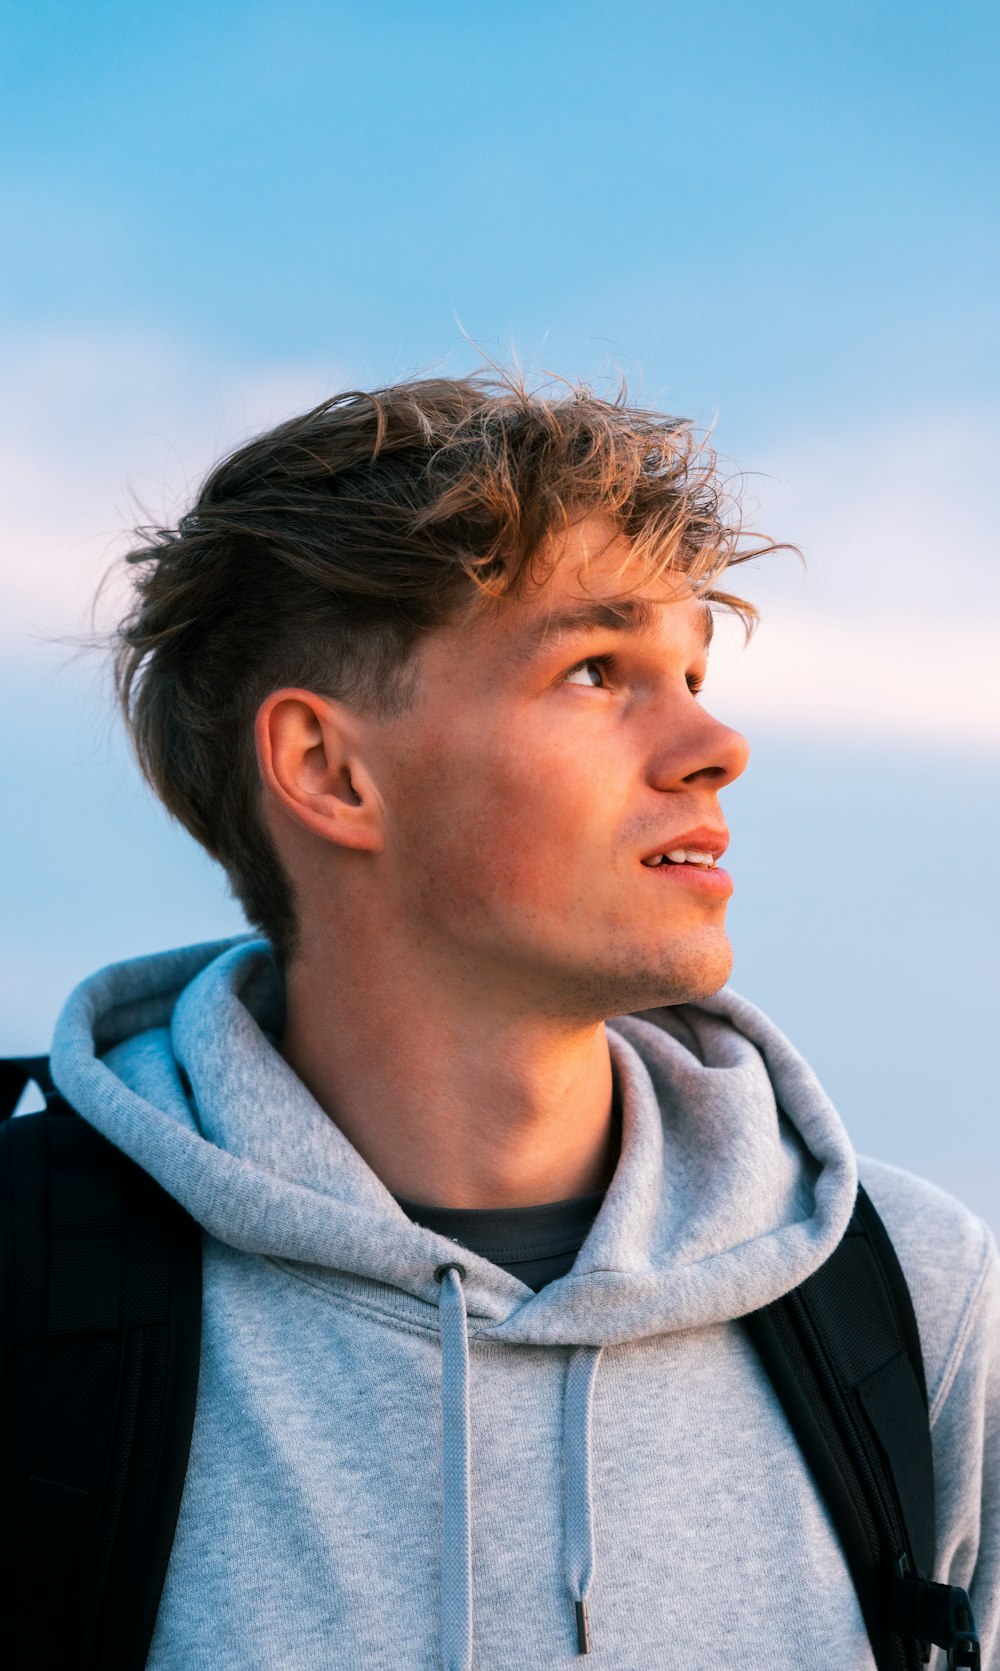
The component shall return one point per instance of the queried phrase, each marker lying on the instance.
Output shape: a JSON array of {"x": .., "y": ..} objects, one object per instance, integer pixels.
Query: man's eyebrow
[{"x": 625, "y": 615}]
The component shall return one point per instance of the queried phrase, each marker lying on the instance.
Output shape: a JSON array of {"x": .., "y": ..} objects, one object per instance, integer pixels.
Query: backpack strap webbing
[
  {"x": 843, "y": 1354},
  {"x": 100, "y": 1330}
]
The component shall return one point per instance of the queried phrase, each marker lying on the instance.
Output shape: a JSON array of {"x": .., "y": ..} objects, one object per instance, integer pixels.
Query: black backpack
[{"x": 100, "y": 1309}]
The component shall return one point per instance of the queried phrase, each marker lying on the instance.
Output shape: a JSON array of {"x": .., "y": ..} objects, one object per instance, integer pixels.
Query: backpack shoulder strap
[
  {"x": 843, "y": 1354},
  {"x": 100, "y": 1325}
]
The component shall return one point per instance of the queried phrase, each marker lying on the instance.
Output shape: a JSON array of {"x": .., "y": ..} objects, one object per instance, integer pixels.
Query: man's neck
[{"x": 466, "y": 1109}]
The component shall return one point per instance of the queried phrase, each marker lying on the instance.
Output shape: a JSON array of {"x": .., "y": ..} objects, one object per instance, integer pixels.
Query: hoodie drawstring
[
  {"x": 456, "y": 1464},
  {"x": 578, "y": 1501},
  {"x": 456, "y": 1517}
]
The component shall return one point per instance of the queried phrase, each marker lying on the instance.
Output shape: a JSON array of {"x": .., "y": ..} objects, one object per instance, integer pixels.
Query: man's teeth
[{"x": 683, "y": 856}]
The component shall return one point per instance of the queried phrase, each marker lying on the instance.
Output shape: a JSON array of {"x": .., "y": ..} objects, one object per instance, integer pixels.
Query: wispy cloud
[
  {"x": 811, "y": 671},
  {"x": 892, "y": 627}
]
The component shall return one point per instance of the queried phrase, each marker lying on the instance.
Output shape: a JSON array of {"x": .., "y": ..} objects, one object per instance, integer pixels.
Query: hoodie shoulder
[{"x": 946, "y": 1253}]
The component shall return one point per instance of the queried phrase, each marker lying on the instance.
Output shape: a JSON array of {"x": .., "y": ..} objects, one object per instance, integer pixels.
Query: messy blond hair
[{"x": 320, "y": 554}]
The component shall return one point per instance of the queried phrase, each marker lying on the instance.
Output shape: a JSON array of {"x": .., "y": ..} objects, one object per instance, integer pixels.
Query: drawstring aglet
[{"x": 582, "y": 1629}]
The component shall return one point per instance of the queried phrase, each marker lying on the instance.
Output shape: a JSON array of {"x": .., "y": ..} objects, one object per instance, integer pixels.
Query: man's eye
[{"x": 605, "y": 663}]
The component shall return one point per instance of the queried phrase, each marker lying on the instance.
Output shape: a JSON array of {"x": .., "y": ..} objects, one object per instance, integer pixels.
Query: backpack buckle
[
  {"x": 963, "y": 1648},
  {"x": 938, "y": 1613}
]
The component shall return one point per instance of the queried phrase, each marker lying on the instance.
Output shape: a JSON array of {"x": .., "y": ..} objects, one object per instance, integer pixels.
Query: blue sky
[{"x": 779, "y": 219}]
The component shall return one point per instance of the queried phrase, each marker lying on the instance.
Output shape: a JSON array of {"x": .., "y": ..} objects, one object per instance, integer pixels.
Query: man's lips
[{"x": 693, "y": 861}]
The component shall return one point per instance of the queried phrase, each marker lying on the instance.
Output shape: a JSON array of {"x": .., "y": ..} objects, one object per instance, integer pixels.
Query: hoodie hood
[{"x": 736, "y": 1179}]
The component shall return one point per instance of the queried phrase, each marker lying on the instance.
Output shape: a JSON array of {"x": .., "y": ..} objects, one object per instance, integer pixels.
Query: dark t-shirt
[{"x": 535, "y": 1244}]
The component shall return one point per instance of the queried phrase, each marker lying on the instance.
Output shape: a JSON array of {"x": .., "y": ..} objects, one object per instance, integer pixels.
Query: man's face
[{"x": 537, "y": 770}]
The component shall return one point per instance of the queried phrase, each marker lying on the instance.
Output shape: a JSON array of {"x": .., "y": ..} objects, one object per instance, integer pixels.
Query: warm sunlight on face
[{"x": 547, "y": 760}]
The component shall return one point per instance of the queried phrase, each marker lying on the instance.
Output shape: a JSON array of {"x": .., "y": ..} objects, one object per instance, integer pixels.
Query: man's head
[{"x": 376, "y": 591}]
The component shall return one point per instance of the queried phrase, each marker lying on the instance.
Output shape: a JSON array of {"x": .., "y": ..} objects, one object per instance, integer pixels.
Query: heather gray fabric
[{"x": 613, "y": 1435}]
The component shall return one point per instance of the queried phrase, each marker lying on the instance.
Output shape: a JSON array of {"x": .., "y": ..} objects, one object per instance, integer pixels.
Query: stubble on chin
[{"x": 685, "y": 975}]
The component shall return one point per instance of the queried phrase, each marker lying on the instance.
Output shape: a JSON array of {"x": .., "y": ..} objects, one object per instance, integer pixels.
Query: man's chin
[{"x": 693, "y": 973}]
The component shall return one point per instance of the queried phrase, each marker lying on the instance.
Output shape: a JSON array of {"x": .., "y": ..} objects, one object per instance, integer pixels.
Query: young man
[{"x": 489, "y": 1163}]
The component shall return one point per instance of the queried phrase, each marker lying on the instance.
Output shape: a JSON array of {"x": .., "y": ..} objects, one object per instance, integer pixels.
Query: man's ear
[{"x": 309, "y": 755}]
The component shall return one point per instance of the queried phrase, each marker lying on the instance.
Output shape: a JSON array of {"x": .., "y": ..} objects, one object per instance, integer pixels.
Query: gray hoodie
[{"x": 391, "y": 1469}]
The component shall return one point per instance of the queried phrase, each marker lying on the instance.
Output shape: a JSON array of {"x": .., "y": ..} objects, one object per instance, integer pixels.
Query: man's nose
[{"x": 722, "y": 754}]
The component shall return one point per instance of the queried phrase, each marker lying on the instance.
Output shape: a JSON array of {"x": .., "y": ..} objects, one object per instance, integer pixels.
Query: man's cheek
[
  {"x": 508, "y": 873},
  {"x": 484, "y": 828}
]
